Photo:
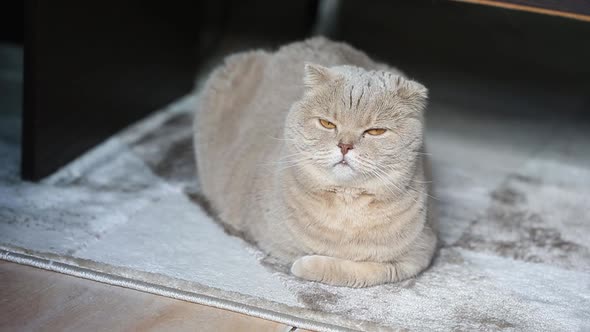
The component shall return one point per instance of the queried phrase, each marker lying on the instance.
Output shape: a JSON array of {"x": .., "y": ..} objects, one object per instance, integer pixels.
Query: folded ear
[
  {"x": 316, "y": 75},
  {"x": 412, "y": 92}
]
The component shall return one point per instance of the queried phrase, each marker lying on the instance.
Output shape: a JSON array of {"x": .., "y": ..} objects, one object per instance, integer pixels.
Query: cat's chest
[
  {"x": 350, "y": 227},
  {"x": 346, "y": 208}
]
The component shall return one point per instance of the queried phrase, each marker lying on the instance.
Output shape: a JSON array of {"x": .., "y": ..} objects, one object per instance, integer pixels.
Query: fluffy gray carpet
[{"x": 513, "y": 191}]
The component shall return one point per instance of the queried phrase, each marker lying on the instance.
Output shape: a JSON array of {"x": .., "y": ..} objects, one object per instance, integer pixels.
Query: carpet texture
[{"x": 513, "y": 190}]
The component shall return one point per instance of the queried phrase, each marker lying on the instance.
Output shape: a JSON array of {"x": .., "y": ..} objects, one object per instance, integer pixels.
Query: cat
[{"x": 315, "y": 154}]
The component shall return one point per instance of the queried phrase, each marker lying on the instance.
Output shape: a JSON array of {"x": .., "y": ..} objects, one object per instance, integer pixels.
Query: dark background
[{"x": 92, "y": 68}]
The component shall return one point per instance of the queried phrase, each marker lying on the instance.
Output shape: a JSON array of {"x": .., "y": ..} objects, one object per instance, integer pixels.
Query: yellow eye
[
  {"x": 376, "y": 132},
  {"x": 327, "y": 124}
]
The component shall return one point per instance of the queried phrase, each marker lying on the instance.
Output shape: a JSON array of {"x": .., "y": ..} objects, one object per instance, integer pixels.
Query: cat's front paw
[
  {"x": 340, "y": 272},
  {"x": 313, "y": 267}
]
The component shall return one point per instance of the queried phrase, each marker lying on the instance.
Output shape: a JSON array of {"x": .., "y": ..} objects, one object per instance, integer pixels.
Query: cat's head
[{"x": 352, "y": 125}]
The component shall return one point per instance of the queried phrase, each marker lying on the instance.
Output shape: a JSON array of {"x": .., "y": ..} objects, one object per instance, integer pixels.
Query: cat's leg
[{"x": 342, "y": 272}]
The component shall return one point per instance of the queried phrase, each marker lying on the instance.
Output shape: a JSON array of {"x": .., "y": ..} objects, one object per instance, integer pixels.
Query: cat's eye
[
  {"x": 327, "y": 124},
  {"x": 376, "y": 131}
]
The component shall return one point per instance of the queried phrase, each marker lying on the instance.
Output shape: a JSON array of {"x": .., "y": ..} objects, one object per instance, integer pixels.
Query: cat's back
[{"x": 240, "y": 117}]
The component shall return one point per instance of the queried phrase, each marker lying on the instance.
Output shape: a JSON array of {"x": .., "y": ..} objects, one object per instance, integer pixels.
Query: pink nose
[{"x": 344, "y": 148}]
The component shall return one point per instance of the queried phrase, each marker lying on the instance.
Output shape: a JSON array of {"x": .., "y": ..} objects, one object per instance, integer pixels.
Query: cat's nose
[{"x": 345, "y": 147}]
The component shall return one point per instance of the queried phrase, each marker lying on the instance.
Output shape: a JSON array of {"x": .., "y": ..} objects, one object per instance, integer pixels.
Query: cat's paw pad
[{"x": 311, "y": 267}]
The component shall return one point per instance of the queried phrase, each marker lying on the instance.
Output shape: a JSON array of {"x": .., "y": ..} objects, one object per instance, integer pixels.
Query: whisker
[
  {"x": 381, "y": 176},
  {"x": 416, "y": 190},
  {"x": 287, "y": 161},
  {"x": 299, "y": 163},
  {"x": 382, "y": 169},
  {"x": 281, "y": 139},
  {"x": 421, "y": 182}
]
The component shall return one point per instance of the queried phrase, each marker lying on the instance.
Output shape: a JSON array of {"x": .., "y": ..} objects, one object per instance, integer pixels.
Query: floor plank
[{"x": 33, "y": 299}]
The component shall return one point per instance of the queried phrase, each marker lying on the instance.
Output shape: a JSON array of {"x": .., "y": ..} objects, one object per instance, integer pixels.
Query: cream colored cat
[{"x": 315, "y": 153}]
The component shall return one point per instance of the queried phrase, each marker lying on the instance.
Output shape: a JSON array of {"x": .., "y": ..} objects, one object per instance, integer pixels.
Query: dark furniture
[{"x": 91, "y": 68}]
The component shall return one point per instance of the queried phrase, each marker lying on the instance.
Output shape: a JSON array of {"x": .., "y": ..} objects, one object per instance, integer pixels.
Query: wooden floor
[{"x": 37, "y": 300}]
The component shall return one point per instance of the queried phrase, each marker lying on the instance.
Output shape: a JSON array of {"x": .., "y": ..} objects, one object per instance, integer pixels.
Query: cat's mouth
[{"x": 342, "y": 163}]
